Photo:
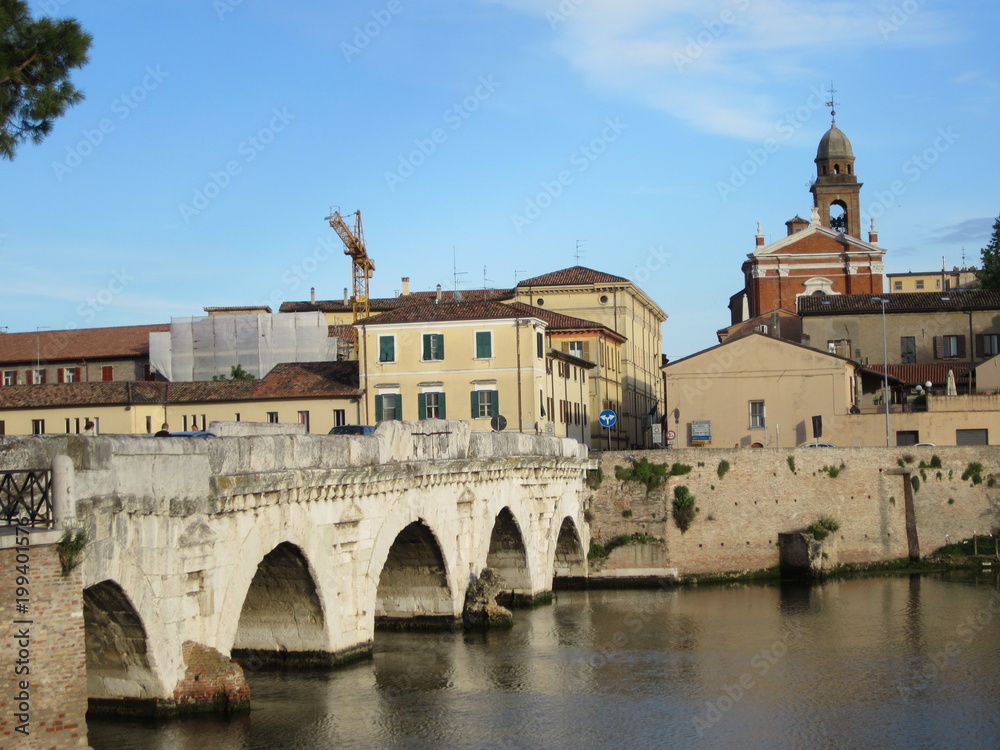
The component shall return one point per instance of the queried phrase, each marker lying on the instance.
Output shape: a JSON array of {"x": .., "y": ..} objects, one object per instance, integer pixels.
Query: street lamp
[{"x": 885, "y": 368}]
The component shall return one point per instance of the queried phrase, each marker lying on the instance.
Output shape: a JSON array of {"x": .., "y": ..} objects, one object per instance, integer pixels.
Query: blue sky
[{"x": 495, "y": 138}]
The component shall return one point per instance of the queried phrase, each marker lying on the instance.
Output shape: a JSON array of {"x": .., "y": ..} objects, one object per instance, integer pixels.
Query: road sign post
[{"x": 608, "y": 419}]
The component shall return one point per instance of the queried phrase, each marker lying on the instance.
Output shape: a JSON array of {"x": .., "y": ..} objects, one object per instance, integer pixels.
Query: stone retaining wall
[{"x": 741, "y": 513}]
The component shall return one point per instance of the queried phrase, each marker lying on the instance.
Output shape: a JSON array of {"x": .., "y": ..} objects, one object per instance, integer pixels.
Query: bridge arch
[
  {"x": 509, "y": 557},
  {"x": 282, "y": 617},
  {"x": 413, "y": 586},
  {"x": 119, "y": 663},
  {"x": 570, "y": 560}
]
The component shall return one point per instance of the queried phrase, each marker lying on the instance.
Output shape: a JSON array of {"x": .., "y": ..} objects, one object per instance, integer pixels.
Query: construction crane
[{"x": 362, "y": 266}]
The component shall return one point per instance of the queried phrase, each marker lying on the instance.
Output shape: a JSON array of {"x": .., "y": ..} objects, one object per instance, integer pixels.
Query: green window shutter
[
  {"x": 475, "y": 404},
  {"x": 484, "y": 350},
  {"x": 378, "y": 408},
  {"x": 440, "y": 351},
  {"x": 444, "y": 414},
  {"x": 399, "y": 406},
  {"x": 494, "y": 403},
  {"x": 427, "y": 346},
  {"x": 386, "y": 349},
  {"x": 540, "y": 344},
  {"x": 421, "y": 406}
]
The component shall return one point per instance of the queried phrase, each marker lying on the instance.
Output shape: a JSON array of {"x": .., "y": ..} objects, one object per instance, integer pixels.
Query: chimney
[
  {"x": 346, "y": 299},
  {"x": 406, "y": 286},
  {"x": 760, "y": 235},
  {"x": 437, "y": 297},
  {"x": 312, "y": 295},
  {"x": 873, "y": 234}
]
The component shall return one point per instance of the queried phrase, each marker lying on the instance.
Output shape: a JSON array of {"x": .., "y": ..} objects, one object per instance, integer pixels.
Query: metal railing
[{"x": 26, "y": 494}]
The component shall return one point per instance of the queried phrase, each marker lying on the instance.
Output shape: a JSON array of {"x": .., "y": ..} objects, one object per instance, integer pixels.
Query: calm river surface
[{"x": 908, "y": 662}]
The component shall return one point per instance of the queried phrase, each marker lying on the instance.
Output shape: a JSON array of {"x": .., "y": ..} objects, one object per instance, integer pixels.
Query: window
[
  {"x": 908, "y": 350},
  {"x": 433, "y": 347},
  {"x": 485, "y": 404},
  {"x": 386, "y": 348},
  {"x": 304, "y": 419},
  {"x": 237, "y": 418},
  {"x": 37, "y": 426},
  {"x": 972, "y": 437},
  {"x": 907, "y": 437},
  {"x": 67, "y": 374},
  {"x": 107, "y": 373},
  {"x": 272, "y": 417},
  {"x": 339, "y": 417},
  {"x": 10, "y": 377},
  {"x": 988, "y": 344},
  {"x": 148, "y": 373},
  {"x": 897, "y": 286},
  {"x": 430, "y": 405},
  {"x": 539, "y": 344},
  {"x": 949, "y": 347},
  {"x": 484, "y": 345},
  {"x": 920, "y": 283},
  {"x": 388, "y": 406},
  {"x": 149, "y": 425},
  {"x": 3, "y": 427},
  {"x": 756, "y": 415}
]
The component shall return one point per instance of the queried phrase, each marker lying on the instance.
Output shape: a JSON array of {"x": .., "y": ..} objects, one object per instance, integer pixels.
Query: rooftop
[
  {"x": 900, "y": 302},
  {"x": 74, "y": 345}
]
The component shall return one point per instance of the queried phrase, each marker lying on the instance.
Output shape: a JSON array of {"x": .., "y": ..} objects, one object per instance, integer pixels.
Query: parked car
[
  {"x": 353, "y": 429},
  {"x": 925, "y": 445},
  {"x": 818, "y": 445}
]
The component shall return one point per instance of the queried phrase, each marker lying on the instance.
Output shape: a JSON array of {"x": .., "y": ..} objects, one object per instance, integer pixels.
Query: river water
[{"x": 902, "y": 662}]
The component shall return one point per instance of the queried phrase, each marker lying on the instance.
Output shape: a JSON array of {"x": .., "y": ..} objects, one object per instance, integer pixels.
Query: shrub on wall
[
  {"x": 723, "y": 468},
  {"x": 974, "y": 472},
  {"x": 684, "y": 508},
  {"x": 822, "y": 528}
]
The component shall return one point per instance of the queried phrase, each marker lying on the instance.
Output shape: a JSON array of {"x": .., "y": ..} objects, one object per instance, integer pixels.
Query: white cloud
[{"x": 706, "y": 61}]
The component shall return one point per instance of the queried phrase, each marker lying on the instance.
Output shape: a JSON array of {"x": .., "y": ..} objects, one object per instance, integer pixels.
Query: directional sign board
[
  {"x": 701, "y": 431},
  {"x": 607, "y": 418}
]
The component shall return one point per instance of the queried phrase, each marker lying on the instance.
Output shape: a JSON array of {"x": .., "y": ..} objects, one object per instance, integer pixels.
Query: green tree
[
  {"x": 36, "y": 57},
  {"x": 989, "y": 273}
]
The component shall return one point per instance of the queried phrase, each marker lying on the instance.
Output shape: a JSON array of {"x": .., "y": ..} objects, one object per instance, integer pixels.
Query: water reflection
[{"x": 887, "y": 663}]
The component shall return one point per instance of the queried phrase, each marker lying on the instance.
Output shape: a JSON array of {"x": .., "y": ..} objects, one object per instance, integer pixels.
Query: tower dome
[{"x": 834, "y": 145}]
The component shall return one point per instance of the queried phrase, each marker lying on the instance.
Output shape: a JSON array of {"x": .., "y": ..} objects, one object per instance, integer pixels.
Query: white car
[{"x": 817, "y": 445}]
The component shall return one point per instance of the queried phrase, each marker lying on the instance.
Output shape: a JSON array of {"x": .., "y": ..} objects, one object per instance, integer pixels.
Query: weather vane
[{"x": 832, "y": 104}]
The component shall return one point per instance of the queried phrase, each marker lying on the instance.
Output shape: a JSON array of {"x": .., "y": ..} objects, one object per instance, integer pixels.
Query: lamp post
[{"x": 885, "y": 367}]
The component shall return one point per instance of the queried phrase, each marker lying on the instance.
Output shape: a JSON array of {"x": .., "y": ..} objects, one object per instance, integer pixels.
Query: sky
[{"x": 484, "y": 142}]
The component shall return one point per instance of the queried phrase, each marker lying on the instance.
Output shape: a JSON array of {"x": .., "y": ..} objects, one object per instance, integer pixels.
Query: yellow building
[
  {"x": 319, "y": 395},
  {"x": 470, "y": 360},
  {"x": 933, "y": 281},
  {"x": 632, "y": 373}
]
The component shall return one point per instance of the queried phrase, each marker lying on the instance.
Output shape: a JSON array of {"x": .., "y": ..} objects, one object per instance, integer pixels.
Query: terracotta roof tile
[
  {"x": 293, "y": 380},
  {"x": 78, "y": 344},
  {"x": 571, "y": 276},
  {"x": 900, "y": 302},
  {"x": 384, "y": 304}
]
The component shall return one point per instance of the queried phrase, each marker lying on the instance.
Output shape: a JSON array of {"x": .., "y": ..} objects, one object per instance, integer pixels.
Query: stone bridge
[{"x": 294, "y": 549}]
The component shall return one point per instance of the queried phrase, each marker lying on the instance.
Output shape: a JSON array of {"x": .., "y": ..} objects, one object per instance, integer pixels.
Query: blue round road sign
[{"x": 607, "y": 418}]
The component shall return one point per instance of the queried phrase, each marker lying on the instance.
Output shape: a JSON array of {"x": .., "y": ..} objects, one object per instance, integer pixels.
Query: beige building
[
  {"x": 319, "y": 395},
  {"x": 474, "y": 361},
  {"x": 762, "y": 392}
]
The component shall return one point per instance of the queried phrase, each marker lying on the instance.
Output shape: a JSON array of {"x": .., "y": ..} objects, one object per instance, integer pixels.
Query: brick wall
[
  {"x": 741, "y": 514},
  {"x": 57, "y": 680}
]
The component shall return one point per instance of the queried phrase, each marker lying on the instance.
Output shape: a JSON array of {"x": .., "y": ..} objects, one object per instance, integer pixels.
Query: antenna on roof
[
  {"x": 516, "y": 272},
  {"x": 486, "y": 282},
  {"x": 455, "y": 274},
  {"x": 579, "y": 253}
]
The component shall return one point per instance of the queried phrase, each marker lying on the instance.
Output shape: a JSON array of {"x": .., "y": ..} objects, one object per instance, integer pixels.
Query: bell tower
[{"x": 836, "y": 190}]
